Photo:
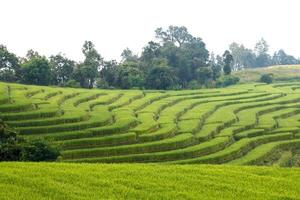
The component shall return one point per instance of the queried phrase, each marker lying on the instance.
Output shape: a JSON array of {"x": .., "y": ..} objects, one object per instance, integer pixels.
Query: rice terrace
[
  {"x": 249, "y": 124},
  {"x": 149, "y": 100}
]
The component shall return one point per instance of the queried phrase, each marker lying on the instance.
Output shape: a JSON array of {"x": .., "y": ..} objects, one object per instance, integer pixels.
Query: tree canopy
[{"x": 175, "y": 59}]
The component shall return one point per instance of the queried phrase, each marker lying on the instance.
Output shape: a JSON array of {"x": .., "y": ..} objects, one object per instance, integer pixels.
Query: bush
[
  {"x": 193, "y": 84},
  {"x": 102, "y": 84},
  {"x": 10, "y": 149},
  {"x": 267, "y": 78},
  {"x": 225, "y": 81},
  {"x": 72, "y": 83},
  {"x": 15, "y": 148},
  {"x": 38, "y": 150},
  {"x": 161, "y": 78}
]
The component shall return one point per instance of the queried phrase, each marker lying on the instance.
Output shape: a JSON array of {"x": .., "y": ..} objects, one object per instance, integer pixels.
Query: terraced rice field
[{"x": 250, "y": 124}]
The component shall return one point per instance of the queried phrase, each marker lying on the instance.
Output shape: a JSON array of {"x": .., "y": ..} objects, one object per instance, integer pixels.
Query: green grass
[{"x": 59, "y": 181}]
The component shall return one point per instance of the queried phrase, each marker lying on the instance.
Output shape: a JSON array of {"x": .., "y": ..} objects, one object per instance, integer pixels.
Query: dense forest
[{"x": 175, "y": 60}]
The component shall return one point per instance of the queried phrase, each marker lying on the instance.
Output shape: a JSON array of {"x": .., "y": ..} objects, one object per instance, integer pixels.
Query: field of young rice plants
[
  {"x": 69, "y": 181},
  {"x": 247, "y": 124}
]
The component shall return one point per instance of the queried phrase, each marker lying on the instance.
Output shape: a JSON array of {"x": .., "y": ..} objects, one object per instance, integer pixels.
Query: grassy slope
[
  {"x": 137, "y": 181},
  {"x": 281, "y": 73}
]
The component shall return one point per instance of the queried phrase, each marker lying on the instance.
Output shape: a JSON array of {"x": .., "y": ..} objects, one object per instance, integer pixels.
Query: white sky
[{"x": 52, "y": 26}]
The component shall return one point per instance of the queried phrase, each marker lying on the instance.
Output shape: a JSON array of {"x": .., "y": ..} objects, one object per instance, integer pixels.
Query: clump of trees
[
  {"x": 258, "y": 57},
  {"x": 15, "y": 148},
  {"x": 175, "y": 60}
]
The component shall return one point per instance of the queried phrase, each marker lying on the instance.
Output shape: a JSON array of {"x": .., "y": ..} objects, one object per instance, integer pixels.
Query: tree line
[
  {"x": 259, "y": 56},
  {"x": 175, "y": 60}
]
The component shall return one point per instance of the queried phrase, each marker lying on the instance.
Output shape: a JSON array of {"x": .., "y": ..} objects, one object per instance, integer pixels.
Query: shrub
[
  {"x": 102, "y": 84},
  {"x": 193, "y": 85},
  {"x": 225, "y": 81},
  {"x": 161, "y": 78},
  {"x": 72, "y": 83},
  {"x": 10, "y": 149},
  {"x": 14, "y": 147},
  {"x": 267, "y": 78},
  {"x": 38, "y": 150}
]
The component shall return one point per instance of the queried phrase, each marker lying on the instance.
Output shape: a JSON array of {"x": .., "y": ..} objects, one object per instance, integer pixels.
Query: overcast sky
[{"x": 52, "y": 26}]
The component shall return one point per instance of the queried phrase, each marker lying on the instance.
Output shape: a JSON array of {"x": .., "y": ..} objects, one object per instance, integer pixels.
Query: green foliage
[
  {"x": 259, "y": 56},
  {"x": 228, "y": 80},
  {"x": 8, "y": 75},
  {"x": 87, "y": 72},
  {"x": 185, "y": 54},
  {"x": 227, "y": 60},
  {"x": 216, "y": 66},
  {"x": 9, "y": 65},
  {"x": 205, "y": 75},
  {"x": 129, "y": 76},
  {"x": 101, "y": 83},
  {"x": 15, "y": 148},
  {"x": 72, "y": 83},
  {"x": 175, "y": 34},
  {"x": 38, "y": 150},
  {"x": 37, "y": 71},
  {"x": 62, "y": 69},
  {"x": 10, "y": 148},
  {"x": 161, "y": 78},
  {"x": 281, "y": 58},
  {"x": 266, "y": 78},
  {"x": 242, "y": 56},
  {"x": 193, "y": 85}
]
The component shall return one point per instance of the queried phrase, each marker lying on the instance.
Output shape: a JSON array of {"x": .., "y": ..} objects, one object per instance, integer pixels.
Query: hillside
[
  {"x": 281, "y": 73},
  {"x": 250, "y": 124},
  {"x": 135, "y": 181}
]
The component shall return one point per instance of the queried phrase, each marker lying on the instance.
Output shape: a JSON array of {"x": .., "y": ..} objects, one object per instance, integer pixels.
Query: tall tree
[
  {"x": 127, "y": 55},
  {"x": 196, "y": 55},
  {"x": 261, "y": 47},
  {"x": 109, "y": 73},
  {"x": 183, "y": 52},
  {"x": 37, "y": 71},
  {"x": 262, "y": 57},
  {"x": 175, "y": 34},
  {"x": 61, "y": 68},
  {"x": 281, "y": 58},
  {"x": 31, "y": 54},
  {"x": 150, "y": 57},
  {"x": 227, "y": 60},
  {"x": 242, "y": 56},
  {"x": 9, "y": 65},
  {"x": 151, "y": 51},
  {"x": 87, "y": 72},
  {"x": 205, "y": 74},
  {"x": 161, "y": 78},
  {"x": 129, "y": 76},
  {"x": 216, "y": 66}
]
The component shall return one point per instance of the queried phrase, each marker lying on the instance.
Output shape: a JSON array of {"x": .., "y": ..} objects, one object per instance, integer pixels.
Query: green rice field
[
  {"x": 41, "y": 181},
  {"x": 246, "y": 124}
]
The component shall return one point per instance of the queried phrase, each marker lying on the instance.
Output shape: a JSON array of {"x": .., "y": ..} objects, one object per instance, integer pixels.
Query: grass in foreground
[{"x": 138, "y": 181}]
